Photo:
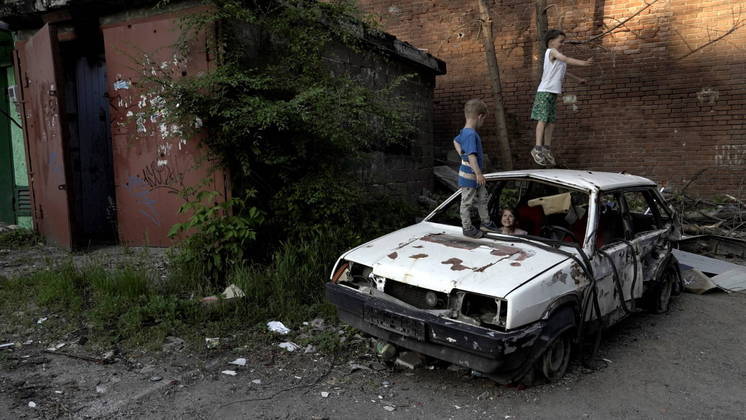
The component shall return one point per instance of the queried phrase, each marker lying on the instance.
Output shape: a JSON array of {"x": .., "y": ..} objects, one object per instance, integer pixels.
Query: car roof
[{"x": 585, "y": 180}]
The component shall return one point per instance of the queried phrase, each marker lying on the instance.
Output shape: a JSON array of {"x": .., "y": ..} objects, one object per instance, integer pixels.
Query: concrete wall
[{"x": 666, "y": 95}]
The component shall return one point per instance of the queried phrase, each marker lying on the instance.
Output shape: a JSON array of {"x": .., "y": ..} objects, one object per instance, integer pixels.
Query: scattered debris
[
  {"x": 155, "y": 378},
  {"x": 317, "y": 323},
  {"x": 689, "y": 260},
  {"x": 324, "y": 394},
  {"x": 732, "y": 280},
  {"x": 483, "y": 396},
  {"x": 389, "y": 408},
  {"x": 278, "y": 327},
  {"x": 108, "y": 355},
  {"x": 56, "y": 347},
  {"x": 232, "y": 292},
  {"x": 310, "y": 349},
  {"x": 32, "y": 404},
  {"x": 289, "y": 346},
  {"x": 212, "y": 342},
  {"x": 409, "y": 359},
  {"x": 257, "y": 381},
  {"x": 41, "y": 320},
  {"x": 7, "y": 345},
  {"x": 356, "y": 366},
  {"x": 239, "y": 362},
  {"x": 229, "y": 372},
  {"x": 697, "y": 282},
  {"x": 172, "y": 344},
  {"x": 100, "y": 389}
]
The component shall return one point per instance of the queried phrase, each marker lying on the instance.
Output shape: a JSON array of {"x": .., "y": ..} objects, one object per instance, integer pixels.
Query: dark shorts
[{"x": 545, "y": 107}]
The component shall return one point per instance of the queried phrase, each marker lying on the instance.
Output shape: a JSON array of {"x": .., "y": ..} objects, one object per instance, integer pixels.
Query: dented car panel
[{"x": 496, "y": 304}]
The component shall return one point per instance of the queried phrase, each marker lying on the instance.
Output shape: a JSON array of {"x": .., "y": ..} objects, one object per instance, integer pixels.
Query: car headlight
[{"x": 487, "y": 309}]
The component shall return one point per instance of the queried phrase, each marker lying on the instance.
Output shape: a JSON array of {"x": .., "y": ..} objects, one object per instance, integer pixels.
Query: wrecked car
[{"x": 597, "y": 248}]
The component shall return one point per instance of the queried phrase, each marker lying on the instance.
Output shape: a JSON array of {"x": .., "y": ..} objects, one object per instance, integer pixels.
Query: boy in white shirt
[{"x": 544, "y": 110}]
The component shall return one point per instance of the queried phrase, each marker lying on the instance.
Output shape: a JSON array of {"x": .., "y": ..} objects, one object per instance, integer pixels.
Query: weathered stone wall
[{"x": 666, "y": 96}]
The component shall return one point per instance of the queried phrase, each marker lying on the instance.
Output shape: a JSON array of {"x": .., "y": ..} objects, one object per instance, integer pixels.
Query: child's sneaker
[
  {"x": 548, "y": 158},
  {"x": 473, "y": 233},
  {"x": 538, "y": 156},
  {"x": 489, "y": 227}
]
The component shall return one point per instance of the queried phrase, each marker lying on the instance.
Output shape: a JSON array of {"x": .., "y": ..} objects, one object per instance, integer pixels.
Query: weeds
[{"x": 18, "y": 238}]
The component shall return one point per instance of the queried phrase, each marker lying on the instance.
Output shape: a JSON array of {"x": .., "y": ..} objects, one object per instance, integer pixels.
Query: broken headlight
[{"x": 487, "y": 310}]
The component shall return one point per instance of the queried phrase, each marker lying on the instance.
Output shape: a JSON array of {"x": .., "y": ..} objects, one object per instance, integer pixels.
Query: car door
[
  {"x": 648, "y": 226},
  {"x": 613, "y": 251}
]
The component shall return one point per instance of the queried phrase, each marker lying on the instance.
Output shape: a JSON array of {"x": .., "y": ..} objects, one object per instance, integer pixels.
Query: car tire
[
  {"x": 553, "y": 363},
  {"x": 659, "y": 299}
]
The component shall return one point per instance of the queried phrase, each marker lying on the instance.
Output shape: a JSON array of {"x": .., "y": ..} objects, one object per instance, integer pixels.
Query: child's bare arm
[
  {"x": 569, "y": 60},
  {"x": 457, "y": 147}
]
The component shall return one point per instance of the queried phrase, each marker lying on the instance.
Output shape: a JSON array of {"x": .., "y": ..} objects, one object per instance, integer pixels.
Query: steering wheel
[{"x": 546, "y": 230}]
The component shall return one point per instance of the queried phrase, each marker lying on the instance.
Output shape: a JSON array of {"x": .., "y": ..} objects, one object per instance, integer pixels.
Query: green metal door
[{"x": 7, "y": 178}]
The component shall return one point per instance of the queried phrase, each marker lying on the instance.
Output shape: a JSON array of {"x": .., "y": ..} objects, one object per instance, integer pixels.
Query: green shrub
[{"x": 18, "y": 238}]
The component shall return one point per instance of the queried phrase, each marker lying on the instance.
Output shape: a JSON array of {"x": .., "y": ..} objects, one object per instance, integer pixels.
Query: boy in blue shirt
[{"x": 468, "y": 145}]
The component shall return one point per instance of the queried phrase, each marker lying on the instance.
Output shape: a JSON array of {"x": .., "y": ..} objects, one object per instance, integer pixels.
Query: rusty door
[
  {"x": 39, "y": 75},
  {"x": 153, "y": 160}
]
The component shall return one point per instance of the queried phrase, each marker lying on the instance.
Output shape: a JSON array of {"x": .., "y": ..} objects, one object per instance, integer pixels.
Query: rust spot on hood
[
  {"x": 417, "y": 246},
  {"x": 515, "y": 264},
  {"x": 455, "y": 264},
  {"x": 418, "y": 256},
  {"x": 504, "y": 251},
  {"x": 393, "y": 255}
]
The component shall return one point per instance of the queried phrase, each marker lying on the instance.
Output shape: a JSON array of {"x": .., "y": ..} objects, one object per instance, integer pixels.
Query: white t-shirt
[{"x": 554, "y": 74}]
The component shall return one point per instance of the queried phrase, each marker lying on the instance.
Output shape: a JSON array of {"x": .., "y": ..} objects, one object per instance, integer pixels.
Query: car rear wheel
[{"x": 553, "y": 363}]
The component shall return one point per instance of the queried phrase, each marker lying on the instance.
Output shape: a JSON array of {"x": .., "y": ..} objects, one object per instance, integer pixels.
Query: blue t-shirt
[{"x": 471, "y": 144}]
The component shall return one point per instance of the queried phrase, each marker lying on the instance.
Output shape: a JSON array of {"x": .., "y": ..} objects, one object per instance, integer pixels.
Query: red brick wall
[{"x": 651, "y": 107}]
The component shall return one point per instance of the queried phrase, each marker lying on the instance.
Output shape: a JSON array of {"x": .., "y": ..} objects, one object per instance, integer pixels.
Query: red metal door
[
  {"x": 39, "y": 73},
  {"x": 153, "y": 161}
]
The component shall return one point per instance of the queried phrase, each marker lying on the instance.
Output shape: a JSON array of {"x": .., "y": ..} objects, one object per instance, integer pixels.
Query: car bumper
[{"x": 482, "y": 349}]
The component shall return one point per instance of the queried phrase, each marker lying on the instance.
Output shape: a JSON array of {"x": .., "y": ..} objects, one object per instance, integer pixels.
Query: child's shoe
[
  {"x": 548, "y": 158},
  {"x": 538, "y": 156},
  {"x": 473, "y": 233},
  {"x": 489, "y": 227}
]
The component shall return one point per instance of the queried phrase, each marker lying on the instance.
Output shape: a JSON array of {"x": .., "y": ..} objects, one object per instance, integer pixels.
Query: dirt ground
[{"x": 688, "y": 363}]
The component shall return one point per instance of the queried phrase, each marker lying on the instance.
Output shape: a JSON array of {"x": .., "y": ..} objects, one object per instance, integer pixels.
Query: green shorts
[{"x": 545, "y": 107}]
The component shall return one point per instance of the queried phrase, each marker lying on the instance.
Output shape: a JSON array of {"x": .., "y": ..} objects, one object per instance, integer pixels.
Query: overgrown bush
[{"x": 18, "y": 238}]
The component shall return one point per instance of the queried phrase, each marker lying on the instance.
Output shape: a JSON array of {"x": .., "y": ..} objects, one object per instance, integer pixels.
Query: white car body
[{"x": 531, "y": 277}]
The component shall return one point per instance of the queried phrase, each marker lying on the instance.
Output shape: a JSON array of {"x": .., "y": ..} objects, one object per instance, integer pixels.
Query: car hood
[{"x": 438, "y": 257}]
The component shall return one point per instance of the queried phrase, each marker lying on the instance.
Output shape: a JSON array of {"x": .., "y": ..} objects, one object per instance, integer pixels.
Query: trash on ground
[
  {"x": 697, "y": 282},
  {"x": 409, "y": 359},
  {"x": 239, "y": 362},
  {"x": 100, "y": 389},
  {"x": 483, "y": 396},
  {"x": 172, "y": 344},
  {"x": 229, "y": 372},
  {"x": 707, "y": 265},
  {"x": 108, "y": 355},
  {"x": 155, "y": 378},
  {"x": 317, "y": 323},
  {"x": 257, "y": 381},
  {"x": 357, "y": 366},
  {"x": 289, "y": 346},
  {"x": 389, "y": 408},
  {"x": 32, "y": 404},
  {"x": 278, "y": 327},
  {"x": 59, "y": 392},
  {"x": 56, "y": 347},
  {"x": 732, "y": 280},
  {"x": 310, "y": 349},
  {"x": 7, "y": 345},
  {"x": 324, "y": 394},
  {"x": 232, "y": 291},
  {"x": 41, "y": 320},
  {"x": 212, "y": 342}
]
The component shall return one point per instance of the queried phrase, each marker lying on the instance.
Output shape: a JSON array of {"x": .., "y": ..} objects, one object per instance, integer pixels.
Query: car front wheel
[{"x": 553, "y": 363}]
